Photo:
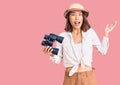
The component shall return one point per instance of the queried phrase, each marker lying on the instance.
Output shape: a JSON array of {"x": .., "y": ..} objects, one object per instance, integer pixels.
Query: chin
[{"x": 77, "y": 27}]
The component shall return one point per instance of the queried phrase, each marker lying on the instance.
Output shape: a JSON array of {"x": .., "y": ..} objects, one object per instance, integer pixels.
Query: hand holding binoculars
[{"x": 49, "y": 39}]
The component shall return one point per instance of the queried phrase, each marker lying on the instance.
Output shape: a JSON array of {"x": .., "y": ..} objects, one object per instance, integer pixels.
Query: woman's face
[{"x": 76, "y": 19}]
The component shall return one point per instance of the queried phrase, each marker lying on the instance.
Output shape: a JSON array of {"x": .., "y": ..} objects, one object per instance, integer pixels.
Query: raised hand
[{"x": 109, "y": 28}]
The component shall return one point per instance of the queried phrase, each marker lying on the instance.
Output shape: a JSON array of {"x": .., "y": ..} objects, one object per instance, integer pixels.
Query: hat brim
[{"x": 86, "y": 12}]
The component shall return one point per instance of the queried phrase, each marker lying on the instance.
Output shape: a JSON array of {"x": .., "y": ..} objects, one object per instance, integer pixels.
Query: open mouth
[{"x": 77, "y": 23}]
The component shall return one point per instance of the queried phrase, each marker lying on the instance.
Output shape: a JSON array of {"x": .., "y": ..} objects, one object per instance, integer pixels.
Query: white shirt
[
  {"x": 68, "y": 52},
  {"x": 78, "y": 49}
]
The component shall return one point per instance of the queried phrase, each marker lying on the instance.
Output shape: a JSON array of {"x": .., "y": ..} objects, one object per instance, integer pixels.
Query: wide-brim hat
[{"x": 76, "y": 7}]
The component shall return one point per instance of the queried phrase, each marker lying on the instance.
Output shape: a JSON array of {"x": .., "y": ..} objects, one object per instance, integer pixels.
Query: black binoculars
[{"x": 49, "y": 39}]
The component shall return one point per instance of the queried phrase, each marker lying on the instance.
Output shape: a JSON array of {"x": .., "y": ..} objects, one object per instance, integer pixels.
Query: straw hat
[{"x": 75, "y": 7}]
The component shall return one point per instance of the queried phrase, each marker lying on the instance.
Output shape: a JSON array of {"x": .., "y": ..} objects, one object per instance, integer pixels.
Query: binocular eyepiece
[{"x": 49, "y": 39}]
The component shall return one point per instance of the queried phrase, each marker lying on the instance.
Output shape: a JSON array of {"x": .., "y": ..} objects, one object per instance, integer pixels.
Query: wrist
[
  {"x": 52, "y": 55},
  {"x": 106, "y": 34}
]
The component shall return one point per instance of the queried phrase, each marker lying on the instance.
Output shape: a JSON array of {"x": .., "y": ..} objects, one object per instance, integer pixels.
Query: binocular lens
[
  {"x": 47, "y": 43},
  {"x": 55, "y": 51},
  {"x": 59, "y": 39},
  {"x": 46, "y": 37}
]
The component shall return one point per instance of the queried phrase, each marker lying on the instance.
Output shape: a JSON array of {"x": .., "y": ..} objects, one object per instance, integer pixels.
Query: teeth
[{"x": 76, "y": 22}]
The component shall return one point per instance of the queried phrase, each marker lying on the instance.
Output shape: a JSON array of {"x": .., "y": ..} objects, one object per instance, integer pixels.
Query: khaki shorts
[{"x": 80, "y": 78}]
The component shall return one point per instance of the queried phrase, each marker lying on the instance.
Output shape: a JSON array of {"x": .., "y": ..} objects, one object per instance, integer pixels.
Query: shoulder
[
  {"x": 91, "y": 30},
  {"x": 89, "y": 33},
  {"x": 63, "y": 34}
]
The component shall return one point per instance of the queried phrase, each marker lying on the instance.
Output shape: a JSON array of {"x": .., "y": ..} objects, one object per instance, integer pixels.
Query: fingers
[
  {"x": 48, "y": 50},
  {"x": 107, "y": 25},
  {"x": 115, "y": 23},
  {"x": 51, "y": 50},
  {"x": 110, "y": 27}
]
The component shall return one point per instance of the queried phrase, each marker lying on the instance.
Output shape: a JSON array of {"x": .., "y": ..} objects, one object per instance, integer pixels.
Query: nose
[{"x": 76, "y": 16}]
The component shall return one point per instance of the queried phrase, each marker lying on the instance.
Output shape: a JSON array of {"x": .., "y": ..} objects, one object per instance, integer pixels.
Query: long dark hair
[{"x": 85, "y": 25}]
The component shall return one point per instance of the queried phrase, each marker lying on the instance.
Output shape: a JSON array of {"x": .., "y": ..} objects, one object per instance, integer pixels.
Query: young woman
[{"x": 76, "y": 49}]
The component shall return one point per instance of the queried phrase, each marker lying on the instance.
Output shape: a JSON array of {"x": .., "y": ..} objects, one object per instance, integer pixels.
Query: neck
[{"x": 76, "y": 31}]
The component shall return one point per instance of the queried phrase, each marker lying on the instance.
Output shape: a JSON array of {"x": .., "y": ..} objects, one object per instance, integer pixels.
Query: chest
[
  {"x": 86, "y": 41},
  {"x": 76, "y": 39}
]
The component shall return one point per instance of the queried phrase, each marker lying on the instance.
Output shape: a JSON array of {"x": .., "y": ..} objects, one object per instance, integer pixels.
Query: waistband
[
  {"x": 68, "y": 70},
  {"x": 85, "y": 73}
]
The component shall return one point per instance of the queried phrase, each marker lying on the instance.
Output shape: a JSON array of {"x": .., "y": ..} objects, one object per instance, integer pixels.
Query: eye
[
  {"x": 72, "y": 14},
  {"x": 80, "y": 14}
]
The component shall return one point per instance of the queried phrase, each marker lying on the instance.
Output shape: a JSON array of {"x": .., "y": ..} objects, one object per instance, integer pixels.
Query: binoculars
[{"x": 49, "y": 39}]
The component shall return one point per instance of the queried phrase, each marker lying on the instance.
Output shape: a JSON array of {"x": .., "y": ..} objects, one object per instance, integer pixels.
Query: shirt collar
[{"x": 83, "y": 33}]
